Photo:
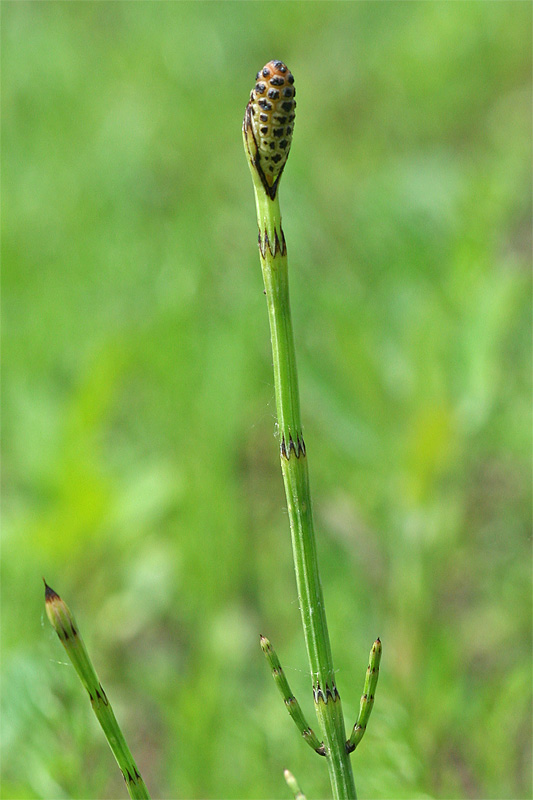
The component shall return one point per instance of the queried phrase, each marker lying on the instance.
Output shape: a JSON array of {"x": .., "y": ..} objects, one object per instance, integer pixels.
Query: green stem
[
  {"x": 291, "y": 703},
  {"x": 273, "y": 255},
  {"x": 65, "y": 626},
  {"x": 367, "y": 698}
]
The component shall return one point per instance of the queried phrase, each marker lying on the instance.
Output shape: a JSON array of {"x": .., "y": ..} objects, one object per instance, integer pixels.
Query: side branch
[
  {"x": 291, "y": 703},
  {"x": 367, "y": 700}
]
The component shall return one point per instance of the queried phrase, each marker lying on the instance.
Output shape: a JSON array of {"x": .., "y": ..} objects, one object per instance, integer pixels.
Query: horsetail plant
[
  {"x": 65, "y": 626},
  {"x": 267, "y": 134}
]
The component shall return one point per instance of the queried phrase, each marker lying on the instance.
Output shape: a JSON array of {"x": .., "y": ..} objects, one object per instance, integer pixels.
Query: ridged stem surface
[
  {"x": 65, "y": 626},
  {"x": 273, "y": 255}
]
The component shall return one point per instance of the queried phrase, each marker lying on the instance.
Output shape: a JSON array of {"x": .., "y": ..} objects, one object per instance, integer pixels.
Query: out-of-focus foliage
[{"x": 140, "y": 466}]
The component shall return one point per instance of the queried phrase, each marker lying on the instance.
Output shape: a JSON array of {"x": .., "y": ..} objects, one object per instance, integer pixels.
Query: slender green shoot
[
  {"x": 292, "y": 783},
  {"x": 367, "y": 699},
  {"x": 291, "y": 703},
  {"x": 66, "y": 628},
  {"x": 267, "y": 132}
]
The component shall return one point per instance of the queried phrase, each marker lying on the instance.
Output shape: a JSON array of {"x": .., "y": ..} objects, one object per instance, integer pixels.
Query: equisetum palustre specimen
[{"x": 267, "y": 132}]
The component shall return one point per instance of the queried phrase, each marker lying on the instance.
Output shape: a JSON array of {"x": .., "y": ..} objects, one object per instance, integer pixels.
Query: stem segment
[
  {"x": 65, "y": 626},
  {"x": 273, "y": 255}
]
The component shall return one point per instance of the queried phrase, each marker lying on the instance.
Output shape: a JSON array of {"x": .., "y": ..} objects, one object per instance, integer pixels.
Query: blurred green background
[{"x": 141, "y": 472}]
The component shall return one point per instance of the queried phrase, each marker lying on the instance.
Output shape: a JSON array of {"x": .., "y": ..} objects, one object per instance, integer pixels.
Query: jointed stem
[
  {"x": 367, "y": 699},
  {"x": 267, "y": 133},
  {"x": 296, "y": 479},
  {"x": 273, "y": 257},
  {"x": 67, "y": 630},
  {"x": 291, "y": 703}
]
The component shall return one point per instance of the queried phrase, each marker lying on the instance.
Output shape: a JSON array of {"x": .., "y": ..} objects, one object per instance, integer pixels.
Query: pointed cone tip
[{"x": 49, "y": 593}]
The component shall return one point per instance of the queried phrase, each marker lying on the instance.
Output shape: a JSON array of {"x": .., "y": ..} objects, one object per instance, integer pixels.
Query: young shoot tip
[{"x": 49, "y": 594}]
